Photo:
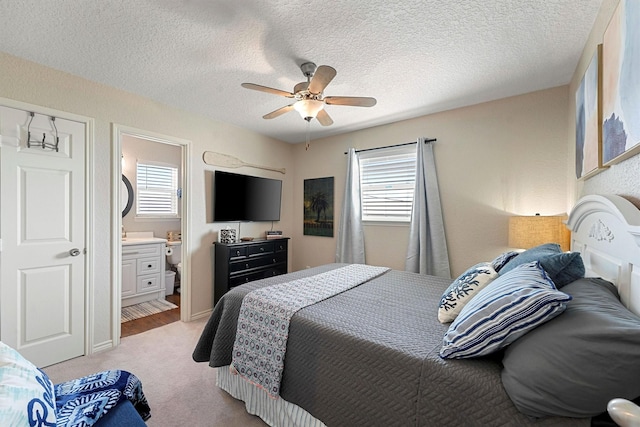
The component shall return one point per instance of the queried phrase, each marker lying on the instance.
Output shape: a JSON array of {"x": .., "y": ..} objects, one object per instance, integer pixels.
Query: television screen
[{"x": 245, "y": 198}]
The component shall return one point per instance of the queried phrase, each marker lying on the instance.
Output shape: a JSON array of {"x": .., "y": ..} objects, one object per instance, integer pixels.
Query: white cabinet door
[
  {"x": 42, "y": 227},
  {"x": 129, "y": 278}
]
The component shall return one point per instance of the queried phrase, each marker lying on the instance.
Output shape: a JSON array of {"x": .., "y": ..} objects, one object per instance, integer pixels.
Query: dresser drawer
[
  {"x": 148, "y": 265},
  {"x": 239, "y": 252},
  {"x": 257, "y": 275},
  {"x": 280, "y": 246},
  {"x": 149, "y": 282},
  {"x": 263, "y": 248},
  {"x": 257, "y": 262}
]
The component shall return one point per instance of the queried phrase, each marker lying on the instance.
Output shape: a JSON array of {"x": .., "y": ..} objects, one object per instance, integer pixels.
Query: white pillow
[
  {"x": 510, "y": 306},
  {"x": 26, "y": 393},
  {"x": 463, "y": 289}
]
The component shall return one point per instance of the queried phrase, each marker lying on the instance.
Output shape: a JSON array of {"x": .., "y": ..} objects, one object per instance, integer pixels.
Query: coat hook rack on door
[{"x": 44, "y": 144}]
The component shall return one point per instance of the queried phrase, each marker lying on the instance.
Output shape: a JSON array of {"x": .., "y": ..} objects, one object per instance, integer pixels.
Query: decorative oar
[{"x": 225, "y": 160}]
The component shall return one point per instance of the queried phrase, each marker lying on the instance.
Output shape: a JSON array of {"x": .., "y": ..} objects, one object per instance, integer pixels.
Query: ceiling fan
[{"x": 309, "y": 96}]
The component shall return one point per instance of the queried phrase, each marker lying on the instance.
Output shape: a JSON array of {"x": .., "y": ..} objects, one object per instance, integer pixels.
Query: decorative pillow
[
  {"x": 463, "y": 289},
  {"x": 573, "y": 365},
  {"x": 562, "y": 267},
  {"x": 502, "y": 259},
  {"x": 530, "y": 255},
  {"x": 26, "y": 393},
  {"x": 506, "y": 309}
]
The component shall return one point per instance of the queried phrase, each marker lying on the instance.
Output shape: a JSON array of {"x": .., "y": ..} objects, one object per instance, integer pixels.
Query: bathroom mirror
[{"x": 126, "y": 195}]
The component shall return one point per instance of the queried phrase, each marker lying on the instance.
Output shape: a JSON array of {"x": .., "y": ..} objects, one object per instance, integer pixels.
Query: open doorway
[{"x": 146, "y": 156}]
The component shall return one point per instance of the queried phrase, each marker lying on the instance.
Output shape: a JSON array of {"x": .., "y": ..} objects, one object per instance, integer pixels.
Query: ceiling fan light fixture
[{"x": 308, "y": 107}]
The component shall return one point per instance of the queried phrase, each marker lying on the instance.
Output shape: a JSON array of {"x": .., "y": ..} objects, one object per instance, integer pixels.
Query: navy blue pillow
[
  {"x": 562, "y": 267},
  {"x": 531, "y": 255}
]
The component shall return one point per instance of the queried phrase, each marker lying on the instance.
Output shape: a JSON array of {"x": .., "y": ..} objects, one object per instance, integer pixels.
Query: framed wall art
[
  {"x": 589, "y": 119},
  {"x": 621, "y": 84},
  {"x": 318, "y": 207}
]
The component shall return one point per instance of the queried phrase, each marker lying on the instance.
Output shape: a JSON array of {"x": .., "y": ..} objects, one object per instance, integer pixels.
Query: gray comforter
[{"x": 369, "y": 357}]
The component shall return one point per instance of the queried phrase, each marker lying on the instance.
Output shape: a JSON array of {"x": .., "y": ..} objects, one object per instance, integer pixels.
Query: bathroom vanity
[{"x": 143, "y": 265}]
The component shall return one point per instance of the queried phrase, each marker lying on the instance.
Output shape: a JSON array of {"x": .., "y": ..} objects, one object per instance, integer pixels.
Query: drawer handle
[
  {"x": 150, "y": 265},
  {"x": 246, "y": 280},
  {"x": 261, "y": 249},
  {"x": 237, "y": 253},
  {"x": 246, "y": 265},
  {"x": 274, "y": 260},
  {"x": 273, "y": 273},
  {"x": 149, "y": 283}
]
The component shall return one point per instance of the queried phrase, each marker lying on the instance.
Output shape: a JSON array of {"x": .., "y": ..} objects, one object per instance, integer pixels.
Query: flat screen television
[{"x": 245, "y": 198}]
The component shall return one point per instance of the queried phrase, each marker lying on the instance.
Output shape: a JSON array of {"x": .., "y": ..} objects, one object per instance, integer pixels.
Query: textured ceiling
[{"x": 414, "y": 56}]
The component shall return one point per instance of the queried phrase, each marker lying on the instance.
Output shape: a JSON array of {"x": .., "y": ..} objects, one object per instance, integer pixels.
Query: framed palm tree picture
[{"x": 318, "y": 207}]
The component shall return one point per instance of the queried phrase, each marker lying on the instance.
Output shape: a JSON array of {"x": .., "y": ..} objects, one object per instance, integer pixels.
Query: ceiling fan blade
[
  {"x": 323, "y": 118},
  {"x": 267, "y": 90},
  {"x": 321, "y": 78},
  {"x": 354, "y": 101},
  {"x": 278, "y": 112}
]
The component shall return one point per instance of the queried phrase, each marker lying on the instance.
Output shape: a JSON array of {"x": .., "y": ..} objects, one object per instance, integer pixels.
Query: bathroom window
[{"x": 157, "y": 190}]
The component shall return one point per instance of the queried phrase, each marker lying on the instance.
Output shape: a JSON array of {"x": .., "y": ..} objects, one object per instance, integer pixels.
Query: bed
[{"x": 372, "y": 355}]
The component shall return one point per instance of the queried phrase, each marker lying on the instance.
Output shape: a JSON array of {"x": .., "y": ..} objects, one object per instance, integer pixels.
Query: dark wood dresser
[{"x": 242, "y": 262}]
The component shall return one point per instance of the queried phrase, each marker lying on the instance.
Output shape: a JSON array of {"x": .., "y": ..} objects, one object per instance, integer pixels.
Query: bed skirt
[{"x": 275, "y": 412}]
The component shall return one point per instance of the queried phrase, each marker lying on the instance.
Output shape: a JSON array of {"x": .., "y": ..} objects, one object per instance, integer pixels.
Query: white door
[{"x": 42, "y": 227}]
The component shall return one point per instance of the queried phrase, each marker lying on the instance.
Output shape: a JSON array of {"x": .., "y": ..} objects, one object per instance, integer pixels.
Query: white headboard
[{"x": 606, "y": 231}]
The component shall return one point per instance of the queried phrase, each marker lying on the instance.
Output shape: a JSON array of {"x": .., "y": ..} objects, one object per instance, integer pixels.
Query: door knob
[{"x": 74, "y": 252}]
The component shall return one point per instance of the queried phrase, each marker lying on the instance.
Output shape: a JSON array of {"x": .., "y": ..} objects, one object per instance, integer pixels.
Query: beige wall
[
  {"x": 41, "y": 86},
  {"x": 622, "y": 178},
  {"x": 493, "y": 160}
]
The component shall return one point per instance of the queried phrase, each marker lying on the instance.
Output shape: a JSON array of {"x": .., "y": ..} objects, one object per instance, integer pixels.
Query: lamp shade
[
  {"x": 529, "y": 231},
  {"x": 308, "y": 107}
]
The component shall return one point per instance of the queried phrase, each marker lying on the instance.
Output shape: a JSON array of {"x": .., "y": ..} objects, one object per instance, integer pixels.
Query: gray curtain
[
  {"x": 350, "y": 247},
  {"x": 427, "y": 252}
]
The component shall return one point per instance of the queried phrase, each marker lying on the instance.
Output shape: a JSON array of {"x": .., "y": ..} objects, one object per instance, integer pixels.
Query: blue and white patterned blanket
[
  {"x": 263, "y": 323},
  {"x": 81, "y": 402}
]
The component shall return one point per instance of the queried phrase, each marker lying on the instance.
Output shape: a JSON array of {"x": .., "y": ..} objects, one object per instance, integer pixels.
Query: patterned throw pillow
[
  {"x": 463, "y": 289},
  {"x": 506, "y": 309},
  {"x": 26, "y": 393}
]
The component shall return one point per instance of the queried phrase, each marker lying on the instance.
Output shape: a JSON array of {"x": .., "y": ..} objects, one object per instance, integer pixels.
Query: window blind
[
  {"x": 157, "y": 190},
  {"x": 387, "y": 182}
]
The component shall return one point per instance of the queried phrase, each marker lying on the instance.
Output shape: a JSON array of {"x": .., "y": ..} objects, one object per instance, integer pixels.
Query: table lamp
[{"x": 529, "y": 231}]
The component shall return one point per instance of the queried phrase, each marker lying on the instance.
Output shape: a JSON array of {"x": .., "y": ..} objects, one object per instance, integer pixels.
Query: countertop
[{"x": 141, "y": 238}]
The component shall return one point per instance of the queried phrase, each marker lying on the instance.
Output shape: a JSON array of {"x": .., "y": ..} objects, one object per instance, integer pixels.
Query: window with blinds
[
  {"x": 157, "y": 190},
  {"x": 387, "y": 182}
]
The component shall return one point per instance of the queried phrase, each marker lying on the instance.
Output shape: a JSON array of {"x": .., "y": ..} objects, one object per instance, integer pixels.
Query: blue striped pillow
[{"x": 509, "y": 307}]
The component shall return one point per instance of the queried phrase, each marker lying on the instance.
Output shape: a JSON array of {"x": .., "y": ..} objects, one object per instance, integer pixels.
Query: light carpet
[
  {"x": 180, "y": 391},
  {"x": 145, "y": 309}
]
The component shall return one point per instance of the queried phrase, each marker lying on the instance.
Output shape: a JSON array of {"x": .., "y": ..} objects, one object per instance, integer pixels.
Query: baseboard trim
[{"x": 201, "y": 315}]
